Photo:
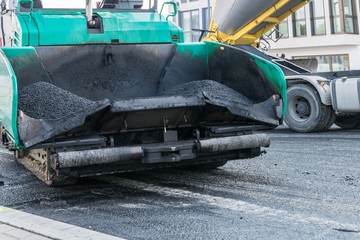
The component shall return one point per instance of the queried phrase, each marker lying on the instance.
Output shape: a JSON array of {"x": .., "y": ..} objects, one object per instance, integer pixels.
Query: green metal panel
[
  {"x": 176, "y": 31},
  {"x": 136, "y": 27},
  {"x": 30, "y": 32},
  {"x": 8, "y": 98},
  {"x": 194, "y": 49},
  {"x": 201, "y": 50},
  {"x": 13, "y": 60},
  {"x": 273, "y": 73},
  {"x": 69, "y": 27},
  {"x": 57, "y": 29},
  {"x": 24, "y": 31},
  {"x": 276, "y": 75}
]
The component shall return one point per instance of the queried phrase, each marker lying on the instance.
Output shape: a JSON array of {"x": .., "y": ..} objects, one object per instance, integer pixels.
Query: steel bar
[{"x": 234, "y": 143}]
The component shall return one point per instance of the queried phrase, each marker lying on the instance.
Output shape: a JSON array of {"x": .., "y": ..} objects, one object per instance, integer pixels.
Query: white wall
[{"x": 352, "y": 51}]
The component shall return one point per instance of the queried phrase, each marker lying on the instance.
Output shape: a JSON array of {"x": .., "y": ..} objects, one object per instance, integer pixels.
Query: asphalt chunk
[
  {"x": 43, "y": 100},
  {"x": 208, "y": 86}
]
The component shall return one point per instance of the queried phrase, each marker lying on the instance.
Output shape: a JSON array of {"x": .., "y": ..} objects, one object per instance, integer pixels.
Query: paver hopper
[{"x": 102, "y": 100}]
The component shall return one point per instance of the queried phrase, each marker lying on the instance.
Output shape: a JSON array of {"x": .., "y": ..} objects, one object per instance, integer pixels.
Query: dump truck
[
  {"x": 90, "y": 88},
  {"x": 314, "y": 102}
]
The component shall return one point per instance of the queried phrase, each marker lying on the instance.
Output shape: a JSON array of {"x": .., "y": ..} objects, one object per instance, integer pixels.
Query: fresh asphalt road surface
[{"x": 307, "y": 186}]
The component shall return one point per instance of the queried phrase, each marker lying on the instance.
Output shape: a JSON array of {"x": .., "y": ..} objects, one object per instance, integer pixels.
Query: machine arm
[{"x": 244, "y": 22}]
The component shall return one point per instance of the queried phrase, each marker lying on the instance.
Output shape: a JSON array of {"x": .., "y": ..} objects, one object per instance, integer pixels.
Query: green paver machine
[{"x": 89, "y": 88}]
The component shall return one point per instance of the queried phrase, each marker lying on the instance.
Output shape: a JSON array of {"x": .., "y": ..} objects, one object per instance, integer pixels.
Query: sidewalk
[{"x": 15, "y": 224}]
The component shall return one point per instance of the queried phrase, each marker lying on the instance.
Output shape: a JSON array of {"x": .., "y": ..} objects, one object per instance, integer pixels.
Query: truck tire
[
  {"x": 348, "y": 121},
  {"x": 331, "y": 120},
  {"x": 305, "y": 111}
]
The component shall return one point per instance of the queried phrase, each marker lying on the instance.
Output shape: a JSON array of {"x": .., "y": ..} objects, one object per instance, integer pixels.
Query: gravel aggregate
[
  {"x": 43, "y": 100},
  {"x": 208, "y": 86}
]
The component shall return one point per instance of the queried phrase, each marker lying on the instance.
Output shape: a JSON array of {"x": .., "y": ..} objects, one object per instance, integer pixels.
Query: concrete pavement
[{"x": 16, "y": 224}]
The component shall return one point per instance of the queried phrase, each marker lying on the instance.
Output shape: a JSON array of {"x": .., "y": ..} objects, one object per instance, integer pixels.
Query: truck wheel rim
[{"x": 301, "y": 109}]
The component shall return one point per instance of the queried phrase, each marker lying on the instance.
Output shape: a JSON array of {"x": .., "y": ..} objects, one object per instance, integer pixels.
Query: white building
[
  {"x": 327, "y": 30},
  {"x": 194, "y": 14}
]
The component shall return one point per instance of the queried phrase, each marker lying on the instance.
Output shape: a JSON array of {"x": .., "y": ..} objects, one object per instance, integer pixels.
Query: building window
[
  {"x": 299, "y": 23},
  {"x": 328, "y": 63},
  {"x": 206, "y": 18},
  {"x": 335, "y": 16},
  {"x": 317, "y": 17},
  {"x": 350, "y": 16},
  {"x": 282, "y": 30},
  {"x": 190, "y": 20},
  {"x": 183, "y": 1},
  {"x": 343, "y": 16}
]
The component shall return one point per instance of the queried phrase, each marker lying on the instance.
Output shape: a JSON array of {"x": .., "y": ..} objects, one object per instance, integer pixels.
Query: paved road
[{"x": 306, "y": 187}]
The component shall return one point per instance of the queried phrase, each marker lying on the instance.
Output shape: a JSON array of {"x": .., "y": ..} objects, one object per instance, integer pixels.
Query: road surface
[{"x": 307, "y": 186}]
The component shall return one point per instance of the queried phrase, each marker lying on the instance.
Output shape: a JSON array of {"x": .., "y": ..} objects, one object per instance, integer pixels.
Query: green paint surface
[
  {"x": 276, "y": 76},
  {"x": 273, "y": 73},
  {"x": 195, "y": 50},
  {"x": 69, "y": 27},
  {"x": 198, "y": 49},
  {"x": 8, "y": 98}
]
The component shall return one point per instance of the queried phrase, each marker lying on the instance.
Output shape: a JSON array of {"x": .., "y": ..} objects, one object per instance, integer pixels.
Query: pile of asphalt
[
  {"x": 43, "y": 100},
  {"x": 209, "y": 88}
]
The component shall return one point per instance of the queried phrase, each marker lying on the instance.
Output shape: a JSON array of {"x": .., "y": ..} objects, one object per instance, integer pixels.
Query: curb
[{"x": 45, "y": 227}]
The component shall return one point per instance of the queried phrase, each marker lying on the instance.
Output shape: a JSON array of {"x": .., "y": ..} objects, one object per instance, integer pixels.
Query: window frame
[
  {"x": 313, "y": 19},
  {"x": 342, "y": 18},
  {"x": 194, "y": 36},
  {"x": 296, "y": 20}
]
